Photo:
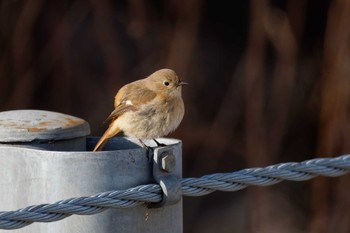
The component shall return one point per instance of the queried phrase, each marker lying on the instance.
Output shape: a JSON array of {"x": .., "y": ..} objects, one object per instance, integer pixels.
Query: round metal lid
[{"x": 29, "y": 125}]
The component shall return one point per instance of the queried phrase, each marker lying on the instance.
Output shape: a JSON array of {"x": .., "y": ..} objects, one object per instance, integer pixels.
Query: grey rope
[{"x": 152, "y": 193}]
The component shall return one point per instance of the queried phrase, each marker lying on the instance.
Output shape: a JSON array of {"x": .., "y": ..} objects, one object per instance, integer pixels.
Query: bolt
[{"x": 167, "y": 161}]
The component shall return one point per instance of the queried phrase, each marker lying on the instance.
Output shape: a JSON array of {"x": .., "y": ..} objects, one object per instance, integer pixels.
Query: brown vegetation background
[{"x": 269, "y": 83}]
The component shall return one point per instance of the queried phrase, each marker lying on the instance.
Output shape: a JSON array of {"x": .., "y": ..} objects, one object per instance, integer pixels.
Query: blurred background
[{"x": 269, "y": 83}]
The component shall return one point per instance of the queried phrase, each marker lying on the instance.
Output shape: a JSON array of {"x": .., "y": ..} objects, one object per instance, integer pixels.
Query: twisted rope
[{"x": 152, "y": 193}]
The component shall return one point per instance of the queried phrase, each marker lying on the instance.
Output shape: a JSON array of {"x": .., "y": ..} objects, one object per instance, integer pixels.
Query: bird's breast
[{"x": 155, "y": 119}]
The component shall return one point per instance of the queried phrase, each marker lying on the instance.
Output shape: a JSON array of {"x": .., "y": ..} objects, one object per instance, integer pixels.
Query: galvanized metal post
[{"x": 46, "y": 157}]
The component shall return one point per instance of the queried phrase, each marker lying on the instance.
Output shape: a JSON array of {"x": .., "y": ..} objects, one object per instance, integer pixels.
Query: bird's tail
[{"x": 110, "y": 132}]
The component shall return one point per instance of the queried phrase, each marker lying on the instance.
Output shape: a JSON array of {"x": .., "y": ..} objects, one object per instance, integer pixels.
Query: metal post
[{"x": 56, "y": 163}]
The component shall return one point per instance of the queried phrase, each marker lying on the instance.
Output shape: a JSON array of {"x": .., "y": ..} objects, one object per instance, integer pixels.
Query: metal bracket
[{"x": 164, "y": 166}]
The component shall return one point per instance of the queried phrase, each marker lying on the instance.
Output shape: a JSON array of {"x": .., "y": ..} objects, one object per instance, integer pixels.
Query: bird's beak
[{"x": 182, "y": 83}]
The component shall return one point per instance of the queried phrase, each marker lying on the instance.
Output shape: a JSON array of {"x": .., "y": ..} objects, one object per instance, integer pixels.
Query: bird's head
[{"x": 166, "y": 82}]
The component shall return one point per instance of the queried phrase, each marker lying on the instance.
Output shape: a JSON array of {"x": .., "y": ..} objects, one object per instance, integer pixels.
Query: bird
[{"x": 146, "y": 109}]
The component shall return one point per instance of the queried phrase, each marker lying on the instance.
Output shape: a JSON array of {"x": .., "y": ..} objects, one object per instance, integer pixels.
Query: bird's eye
[{"x": 166, "y": 83}]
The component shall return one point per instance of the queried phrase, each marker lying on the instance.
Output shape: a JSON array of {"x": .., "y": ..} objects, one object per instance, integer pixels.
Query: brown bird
[{"x": 147, "y": 108}]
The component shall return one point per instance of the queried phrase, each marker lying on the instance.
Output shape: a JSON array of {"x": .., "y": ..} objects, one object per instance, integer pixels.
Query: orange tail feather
[{"x": 110, "y": 132}]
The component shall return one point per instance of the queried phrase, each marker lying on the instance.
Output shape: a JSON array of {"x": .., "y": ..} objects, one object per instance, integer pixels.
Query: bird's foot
[
  {"x": 158, "y": 143},
  {"x": 149, "y": 149}
]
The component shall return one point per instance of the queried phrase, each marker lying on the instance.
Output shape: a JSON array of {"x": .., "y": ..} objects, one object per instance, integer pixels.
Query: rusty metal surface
[{"x": 29, "y": 125}]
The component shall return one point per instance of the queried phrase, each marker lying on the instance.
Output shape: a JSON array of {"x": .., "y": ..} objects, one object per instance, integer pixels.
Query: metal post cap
[{"x": 29, "y": 125}]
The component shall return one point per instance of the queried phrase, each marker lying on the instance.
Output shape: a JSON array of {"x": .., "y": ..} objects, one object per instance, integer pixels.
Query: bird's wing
[
  {"x": 129, "y": 98},
  {"x": 119, "y": 110},
  {"x": 135, "y": 93}
]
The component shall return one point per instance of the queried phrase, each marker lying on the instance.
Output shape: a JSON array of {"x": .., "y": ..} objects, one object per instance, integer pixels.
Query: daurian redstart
[{"x": 147, "y": 108}]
